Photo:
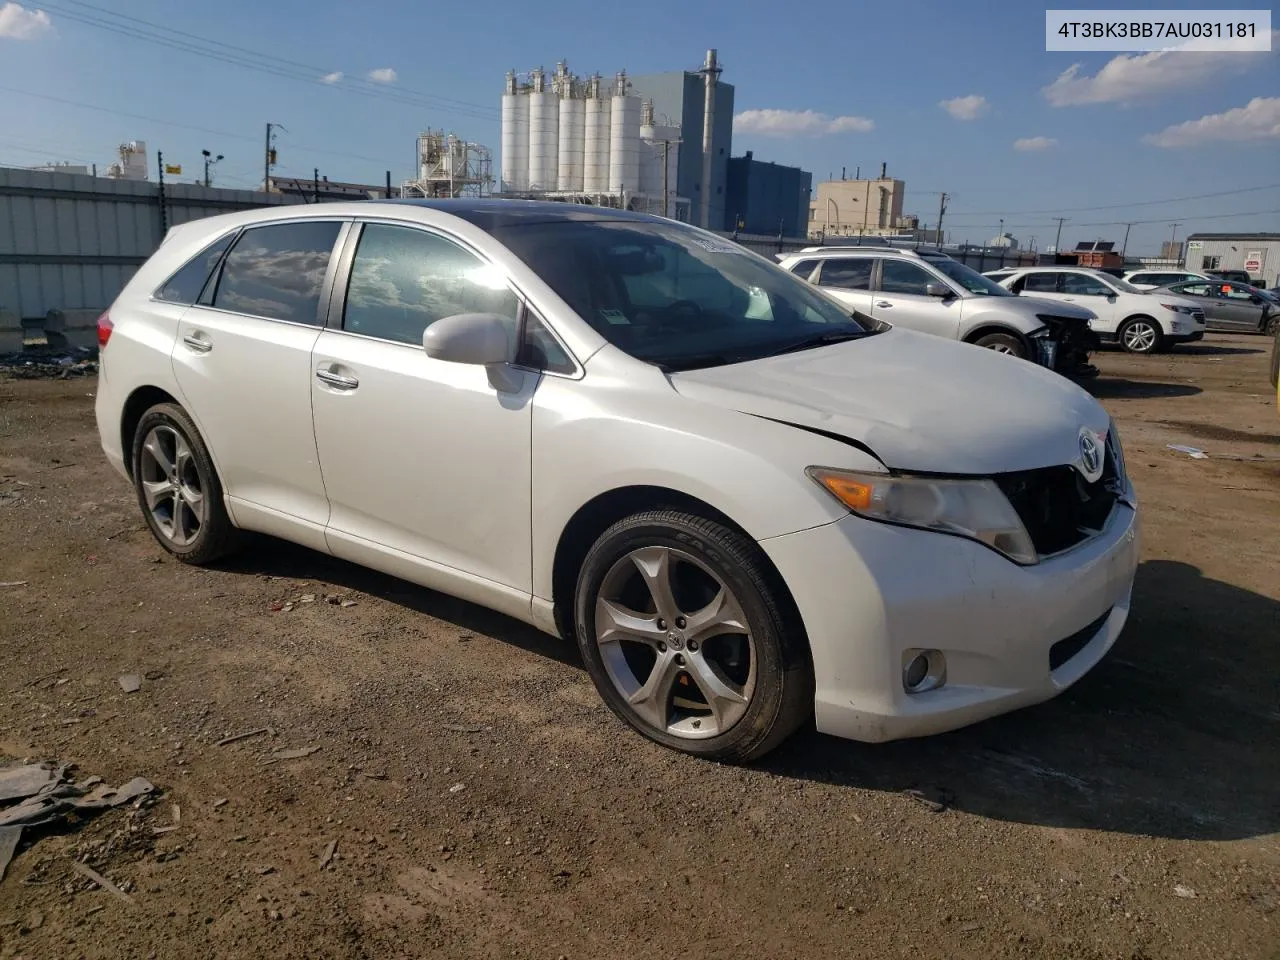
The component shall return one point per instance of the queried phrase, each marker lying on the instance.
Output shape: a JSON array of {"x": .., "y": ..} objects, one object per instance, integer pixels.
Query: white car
[
  {"x": 1139, "y": 321},
  {"x": 744, "y": 506},
  {"x": 1149, "y": 279}
]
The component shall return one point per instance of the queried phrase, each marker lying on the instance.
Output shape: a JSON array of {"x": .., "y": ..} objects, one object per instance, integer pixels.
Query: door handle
[
  {"x": 198, "y": 344},
  {"x": 883, "y": 303},
  {"x": 337, "y": 380}
]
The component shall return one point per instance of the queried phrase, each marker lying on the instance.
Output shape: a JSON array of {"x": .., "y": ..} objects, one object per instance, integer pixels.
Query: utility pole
[
  {"x": 942, "y": 209},
  {"x": 164, "y": 210},
  {"x": 209, "y": 160},
  {"x": 1125, "y": 246},
  {"x": 666, "y": 167},
  {"x": 1001, "y": 233},
  {"x": 315, "y": 184},
  {"x": 269, "y": 156},
  {"x": 1057, "y": 240}
]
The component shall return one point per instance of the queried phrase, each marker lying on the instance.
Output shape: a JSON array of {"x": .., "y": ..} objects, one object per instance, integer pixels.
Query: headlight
[
  {"x": 1176, "y": 308},
  {"x": 975, "y": 509}
]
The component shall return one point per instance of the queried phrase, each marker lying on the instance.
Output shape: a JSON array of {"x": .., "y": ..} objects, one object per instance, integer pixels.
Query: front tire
[
  {"x": 1141, "y": 335},
  {"x": 683, "y": 631},
  {"x": 178, "y": 488},
  {"x": 1005, "y": 343}
]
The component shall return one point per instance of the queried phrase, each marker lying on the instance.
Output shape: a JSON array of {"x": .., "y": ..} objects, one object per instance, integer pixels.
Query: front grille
[
  {"x": 1058, "y": 507},
  {"x": 1065, "y": 649},
  {"x": 1197, "y": 315}
]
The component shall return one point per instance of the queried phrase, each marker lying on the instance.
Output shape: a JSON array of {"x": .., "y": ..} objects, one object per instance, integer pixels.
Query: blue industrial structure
[{"x": 766, "y": 198}]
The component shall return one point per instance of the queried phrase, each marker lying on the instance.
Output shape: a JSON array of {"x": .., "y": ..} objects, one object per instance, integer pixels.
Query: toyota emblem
[{"x": 1091, "y": 454}]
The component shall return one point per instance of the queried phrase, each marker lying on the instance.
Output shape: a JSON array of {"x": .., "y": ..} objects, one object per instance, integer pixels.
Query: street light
[{"x": 209, "y": 160}]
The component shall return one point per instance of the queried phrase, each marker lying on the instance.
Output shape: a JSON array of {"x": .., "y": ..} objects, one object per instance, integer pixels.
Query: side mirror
[
  {"x": 938, "y": 290},
  {"x": 476, "y": 338}
]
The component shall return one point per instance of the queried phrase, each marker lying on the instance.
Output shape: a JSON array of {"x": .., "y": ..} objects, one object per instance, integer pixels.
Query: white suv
[
  {"x": 930, "y": 292},
  {"x": 1148, "y": 279},
  {"x": 745, "y": 506},
  {"x": 1141, "y": 322}
]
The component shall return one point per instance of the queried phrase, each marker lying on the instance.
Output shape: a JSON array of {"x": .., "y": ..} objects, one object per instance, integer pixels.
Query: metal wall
[
  {"x": 766, "y": 198},
  {"x": 1232, "y": 252},
  {"x": 69, "y": 241}
]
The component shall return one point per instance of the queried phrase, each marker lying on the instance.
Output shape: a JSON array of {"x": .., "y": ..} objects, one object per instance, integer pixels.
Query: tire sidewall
[
  {"x": 171, "y": 416},
  {"x": 766, "y": 700}
]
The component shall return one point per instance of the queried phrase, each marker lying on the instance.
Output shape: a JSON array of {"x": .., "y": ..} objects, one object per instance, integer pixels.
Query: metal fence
[
  {"x": 979, "y": 258},
  {"x": 69, "y": 241}
]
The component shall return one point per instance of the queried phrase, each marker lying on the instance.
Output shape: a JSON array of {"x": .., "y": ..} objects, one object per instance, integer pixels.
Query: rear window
[
  {"x": 185, "y": 285},
  {"x": 804, "y": 268},
  {"x": 276, "y": 271}
]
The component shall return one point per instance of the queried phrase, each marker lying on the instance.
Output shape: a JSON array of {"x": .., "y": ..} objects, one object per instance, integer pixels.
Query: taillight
[{"x": 104, "y": 330}]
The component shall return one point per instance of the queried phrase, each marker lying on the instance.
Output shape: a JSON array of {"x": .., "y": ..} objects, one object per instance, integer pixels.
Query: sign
[
  {"x": 173, "y": 168},
  {"x": 1193, "y": 244},
  {"x": 1253, "y": 261}
]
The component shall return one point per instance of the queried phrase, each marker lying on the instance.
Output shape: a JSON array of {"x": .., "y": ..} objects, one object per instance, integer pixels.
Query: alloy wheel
[
  {"x": 1140, "y": 337},
  {"x": 171, "y": 485},
  {"x": 1002, "y": 348},
  {"x": 675, "y": 642}
]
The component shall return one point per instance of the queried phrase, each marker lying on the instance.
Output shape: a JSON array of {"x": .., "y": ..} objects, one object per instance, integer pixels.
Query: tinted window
[
  {"x": 898, "y": 276},
  {"x": 1195, "y": 289},
  {"x": 804, "y": 268},
  {"x": 185, "y": 285},
  {"x": 1040, "y": 283},
  {"x": 1083, "y": 286},
  {"x": 849, "y": 274},
  {"x": 277, "y": 271},
  {"x": 403, "y": 280},
  {"x": 540, "y": 350}
]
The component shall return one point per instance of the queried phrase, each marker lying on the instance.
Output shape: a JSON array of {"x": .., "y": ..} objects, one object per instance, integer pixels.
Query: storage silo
[
  {"x": 515, "y": 137},
  {"x": 573, "y": 126},
  {"x": 595, "y": 146},
  {"x": 544, "y": 137},
  {"x": 624, "y": 139}
]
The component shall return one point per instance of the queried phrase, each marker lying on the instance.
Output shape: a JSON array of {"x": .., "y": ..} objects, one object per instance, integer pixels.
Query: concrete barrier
[
  {"x": 10, "y": 333},
  {"x": 65, "y": 329}
]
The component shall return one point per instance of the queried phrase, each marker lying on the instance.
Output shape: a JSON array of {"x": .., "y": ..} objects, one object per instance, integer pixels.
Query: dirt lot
[{"x": 485, "y": 804}]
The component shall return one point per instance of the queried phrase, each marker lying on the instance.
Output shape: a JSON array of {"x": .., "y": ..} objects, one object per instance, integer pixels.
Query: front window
[
  {"x": 1117, "y": 284},
  {"x": 1083, "y": 285},
  {"x": 969, "y": 278},
  {"x": 898, "y": 276},
  {"x": 677, "y": 297}
]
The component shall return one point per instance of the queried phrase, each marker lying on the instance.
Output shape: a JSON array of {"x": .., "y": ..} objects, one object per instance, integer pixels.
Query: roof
[
  {"x": 490, "y": 213},
  {"x": 1234, "y": 236}
]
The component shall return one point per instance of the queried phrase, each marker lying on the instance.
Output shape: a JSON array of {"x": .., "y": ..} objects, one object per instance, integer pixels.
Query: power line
[{"x": 1119, "y": 206}]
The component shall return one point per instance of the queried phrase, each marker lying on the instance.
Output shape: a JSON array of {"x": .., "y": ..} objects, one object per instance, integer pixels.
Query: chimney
[{"x": 884, "y": 168}]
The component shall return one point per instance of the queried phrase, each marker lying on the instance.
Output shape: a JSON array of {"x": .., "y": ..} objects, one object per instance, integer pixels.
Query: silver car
[{"x": 933, "y": 293}]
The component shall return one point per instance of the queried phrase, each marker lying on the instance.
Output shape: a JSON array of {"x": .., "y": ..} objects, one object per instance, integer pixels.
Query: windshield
[
  {"x": 1121, "y": 285},
  {"x": 969, "y": 278},
  {"x": 675, "y": 296}
]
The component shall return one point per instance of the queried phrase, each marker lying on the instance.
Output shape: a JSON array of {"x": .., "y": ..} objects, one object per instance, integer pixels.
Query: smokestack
[
  {"x": 884, "y": 168},
  {"x": 842, "y": 169},
  {"x": 711, "y": 74}
]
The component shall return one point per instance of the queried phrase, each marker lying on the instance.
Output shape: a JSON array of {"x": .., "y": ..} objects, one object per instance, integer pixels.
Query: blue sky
[{"x": 1120, "y": 130}]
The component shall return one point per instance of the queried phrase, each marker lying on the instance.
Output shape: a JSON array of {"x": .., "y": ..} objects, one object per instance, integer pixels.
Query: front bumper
[{"x": 869, "y": 593}]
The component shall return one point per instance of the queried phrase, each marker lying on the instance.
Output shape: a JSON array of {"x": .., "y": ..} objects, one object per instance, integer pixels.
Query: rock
[
  {"x": 1186, "y": 893},
  {"x": 130, "y": 683}
]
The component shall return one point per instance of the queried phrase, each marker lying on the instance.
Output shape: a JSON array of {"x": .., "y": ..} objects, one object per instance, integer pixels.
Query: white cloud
[
  {"x": 18, "y": 23},
  {"x": 1131, "y": 77},
  {"x": 1030, "y": 144},
  {"x": 965, "y": 108},
  {"x": 1259, "y": 119},
  {"x": 383, "y": 75},
  {"x": 797, "y": 123},
  {"x": 332, "y": 77}
]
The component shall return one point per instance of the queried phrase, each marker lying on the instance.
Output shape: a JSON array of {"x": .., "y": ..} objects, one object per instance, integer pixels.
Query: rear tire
[
  {"x": 1141, "y": 335},
  {"x": 178, "y": 488},
  {"x": 684, "y": 634},
  {"x": 1005, "y": 343},
  {"x": 1273, "y": 325}
]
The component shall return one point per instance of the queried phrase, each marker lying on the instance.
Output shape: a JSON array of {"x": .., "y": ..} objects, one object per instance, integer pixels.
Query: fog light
[{"x": 923, "y": 670}]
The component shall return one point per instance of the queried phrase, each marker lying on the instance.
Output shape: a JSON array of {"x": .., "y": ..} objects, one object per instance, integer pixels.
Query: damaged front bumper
[{"x": 1063, "y": 346}]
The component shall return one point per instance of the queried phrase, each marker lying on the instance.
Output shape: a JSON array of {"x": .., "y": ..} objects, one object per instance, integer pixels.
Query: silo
[
  {"x": 544, "y": 137},
  {"x": 595, "y": 166},
  {"x": 573, "y": 124},
  {"x": 624, "y": 139},
  {"x": 515, "y": 138},
  {"x": 650, "y": 181}
]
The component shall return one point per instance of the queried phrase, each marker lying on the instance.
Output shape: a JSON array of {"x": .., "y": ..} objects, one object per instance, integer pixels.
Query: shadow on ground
[
  {"x": 1112, "y": 388},
  {"x": 1174, "y": 734},
  {"x": 1212, "y": 431},
  {"x": 1203, "y": 349}
]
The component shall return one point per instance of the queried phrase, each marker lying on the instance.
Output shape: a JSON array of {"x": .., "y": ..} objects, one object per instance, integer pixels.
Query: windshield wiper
[{"x": 820, "y": 340}]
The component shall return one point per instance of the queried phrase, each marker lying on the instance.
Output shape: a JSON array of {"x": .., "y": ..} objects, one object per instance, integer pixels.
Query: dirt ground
[{"x": 485, "y": 804}]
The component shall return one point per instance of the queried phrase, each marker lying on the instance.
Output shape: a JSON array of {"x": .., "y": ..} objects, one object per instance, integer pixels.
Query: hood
[
  {"x": 921, "y": 403},
  {"x": 1057, "y": 308}
]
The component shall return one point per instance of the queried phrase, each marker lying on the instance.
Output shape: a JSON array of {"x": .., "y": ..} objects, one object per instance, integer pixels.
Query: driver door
[
  {"x": 901, "y": 298},
  {"x": 1092, "y": 294}
]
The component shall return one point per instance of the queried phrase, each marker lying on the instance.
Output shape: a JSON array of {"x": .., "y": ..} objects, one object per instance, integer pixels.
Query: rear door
[
  {"x": 847, "y": 279},
  {"x": 901, "y": 298},
  {"x": 243, "y": 363},
  {"x": 1093, "y": 294}
]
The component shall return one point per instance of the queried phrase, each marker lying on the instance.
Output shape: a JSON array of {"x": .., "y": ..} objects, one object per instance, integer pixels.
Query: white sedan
[{"x": 745, "y": 505}]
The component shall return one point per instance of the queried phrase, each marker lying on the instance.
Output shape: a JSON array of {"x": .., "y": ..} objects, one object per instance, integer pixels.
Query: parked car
[
  {"x": 1231, "y": 306},
  {"x": 1275, "y": 365},
  {"x": 932, "y": 293},
  {"x": 747, "y": 506},
  {"x": 1235, "y": 276},
  {"x": 1150, "y": 279},
  {"x": 1140, "y": 321}
]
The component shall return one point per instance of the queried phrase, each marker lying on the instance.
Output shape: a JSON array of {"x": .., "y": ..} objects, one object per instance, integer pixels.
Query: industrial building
[
  {"x": 642, "y": 143},
  {"x": 852, "y": 208},
  {"x": 766, "y": 198},
  {"x": 1256, "y": 253}
]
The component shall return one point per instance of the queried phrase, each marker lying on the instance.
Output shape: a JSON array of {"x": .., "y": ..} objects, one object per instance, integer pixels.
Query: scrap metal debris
[
  {"x": 47, "y": 794},
  {"x": 244, "y": 736},
  {"x": 297, "y": 754},
  {"x": 1195, "y": 453},
  {"x": 101, "y": 881}
]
